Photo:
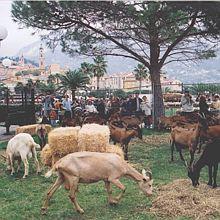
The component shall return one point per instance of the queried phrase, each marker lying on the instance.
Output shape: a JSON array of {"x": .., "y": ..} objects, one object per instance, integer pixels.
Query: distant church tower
[
  {"x": 41, "y": 60},
  {"x": 21, "y": 60}
]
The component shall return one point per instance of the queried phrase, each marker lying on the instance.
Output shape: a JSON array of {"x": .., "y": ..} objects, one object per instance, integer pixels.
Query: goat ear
[{"x": 144, "y": 173}]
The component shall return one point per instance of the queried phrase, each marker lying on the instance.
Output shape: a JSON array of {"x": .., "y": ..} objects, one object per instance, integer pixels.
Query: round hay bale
[
  {"x": 180, "y": 198},
  {"x": 115, "y": 149},
  {"x": 63, "y": 140},
  {"x": 46, "y": 155},
  {"x": 93, "y": 137}
]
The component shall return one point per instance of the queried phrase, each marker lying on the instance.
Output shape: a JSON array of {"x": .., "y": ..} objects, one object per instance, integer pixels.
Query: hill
[{"x": 203, "y": 71}]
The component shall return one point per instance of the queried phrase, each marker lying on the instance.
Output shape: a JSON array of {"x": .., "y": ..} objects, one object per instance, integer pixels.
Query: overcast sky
[{"x": 17, "y": 38}]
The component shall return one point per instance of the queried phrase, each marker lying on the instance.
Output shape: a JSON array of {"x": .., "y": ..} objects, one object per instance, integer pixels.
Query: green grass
[
  {"x": 3, "y": 145},
  {"x": 22, "y": 199}
]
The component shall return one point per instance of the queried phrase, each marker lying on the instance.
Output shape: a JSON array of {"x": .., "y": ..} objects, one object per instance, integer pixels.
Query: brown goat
[
  {"x": 124, "y": 135},
  {"x": 183, "y": 138},
  {"x": 41, "y": 132},
  {"x": 133, "y": 120}
]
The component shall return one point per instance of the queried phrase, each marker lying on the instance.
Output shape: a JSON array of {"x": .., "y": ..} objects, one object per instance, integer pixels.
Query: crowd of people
[
  {"x": 207, "y": 104},
  {"x": 55, "y": 109}
]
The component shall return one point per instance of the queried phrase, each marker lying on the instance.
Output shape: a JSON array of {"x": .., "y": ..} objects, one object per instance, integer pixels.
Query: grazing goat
[
  {"x": 209, "y": 157},
  {"x": 90, "y": 167},
  {"x": 183, "y": 138},
  {"x": 19, "y": 148},
  {"x": 124, "y": 135},
  {"x": 41, "y": 133}
]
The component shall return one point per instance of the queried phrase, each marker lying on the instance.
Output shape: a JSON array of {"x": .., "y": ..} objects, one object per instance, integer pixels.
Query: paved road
[{"x": 3, "y": 136}]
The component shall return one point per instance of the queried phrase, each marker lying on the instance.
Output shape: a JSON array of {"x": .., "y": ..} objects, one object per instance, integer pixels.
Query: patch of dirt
[{"x": 156, "y": 140}]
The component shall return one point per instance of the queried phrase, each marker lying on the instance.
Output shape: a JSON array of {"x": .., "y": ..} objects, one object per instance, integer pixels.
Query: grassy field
[{"x": 22, "y": 198}]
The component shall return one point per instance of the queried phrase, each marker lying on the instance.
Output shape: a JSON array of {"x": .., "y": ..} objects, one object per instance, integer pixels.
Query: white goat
[
  {"x": 90, "y": 167},
  {"x": 20, "y": 147}
]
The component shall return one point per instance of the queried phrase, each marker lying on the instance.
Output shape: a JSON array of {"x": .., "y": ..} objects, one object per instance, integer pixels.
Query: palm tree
[
  {"x": 73, "y": 80},
  {"x": 99, "y": 68},
  {"x": 51, "y": 79},
  {"x": 30, "y": 84},
  {"x": 87, "y": 68},
  {"x": 57, "y": 75},
  {"x": 141, "y": 73},
  {"x": 19, "y": 87}
]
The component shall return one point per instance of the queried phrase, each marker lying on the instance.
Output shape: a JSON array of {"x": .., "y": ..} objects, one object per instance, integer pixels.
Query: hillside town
[{"x": 125, "y": 81}]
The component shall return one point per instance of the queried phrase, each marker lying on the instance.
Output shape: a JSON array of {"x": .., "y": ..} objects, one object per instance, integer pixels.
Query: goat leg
[
  {"x": 215, "y": 175},
  {"x": 172, "y": 150},
  {"x": 59, "y": 181},
  {"x": 181, "y": 155},
  {"x": 11, "y": 159},
  {"x": 72, "y": 196},
  {"x": 117, "y": 183},
  {"x": 126, "y": 151},
  {"x": 210, "y": 176},
  {"x": 111, "y": 200},
  {"x": 192, "y": 152}
]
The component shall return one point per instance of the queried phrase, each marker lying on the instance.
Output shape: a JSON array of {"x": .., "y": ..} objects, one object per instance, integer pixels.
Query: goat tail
[
  {"x": 50, "y": 172},
  {"x": 3, "y": 156}
]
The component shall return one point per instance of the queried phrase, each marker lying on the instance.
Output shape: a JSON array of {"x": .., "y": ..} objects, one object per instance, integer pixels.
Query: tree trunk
[
  {"x": 157, "y": 96},
  {"x": 73, "y": 94},
  {"x": 98, "y": 80},
  {"x": 140, "y": 85}
]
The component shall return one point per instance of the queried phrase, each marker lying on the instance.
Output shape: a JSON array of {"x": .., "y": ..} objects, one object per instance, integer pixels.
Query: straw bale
[
  {"x": 64, "y": 140},
  {"x": 115, "y": 149},
  {"x": 93, "y": 137},
  {"x": 180, "y": 198},
  {"x": 46, "y": 155},
  {"x": 31, "y": 129}
]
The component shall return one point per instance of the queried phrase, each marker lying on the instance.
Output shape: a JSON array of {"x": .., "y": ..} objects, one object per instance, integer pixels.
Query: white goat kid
[
  {"x": 90, "y": 167},
  {"x": 20, "y": 147}
]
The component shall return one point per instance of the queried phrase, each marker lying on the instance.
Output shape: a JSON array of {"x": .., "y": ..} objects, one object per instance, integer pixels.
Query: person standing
[
  {"x": 203, "y": 106},
  {"x": 48, "y": 104},
  {"x": 187, "y": 103},
  {"x": 67, "y": 106},
  {"x": 53, "y": 117},
  {"x": 146, "y": 108},
  {"x": 136, "y": 105},
  {"x": 90, "y": 108}
]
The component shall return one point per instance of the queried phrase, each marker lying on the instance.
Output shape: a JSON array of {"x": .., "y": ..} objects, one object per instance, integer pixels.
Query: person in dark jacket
[
  {"x": 101, "y": 108},
  {"x": 136, "y": 103},
  {"x": 203, "y": 106}
]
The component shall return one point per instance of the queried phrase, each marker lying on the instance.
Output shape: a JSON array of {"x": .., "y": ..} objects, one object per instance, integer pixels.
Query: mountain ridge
[{"x": 205, "y": 71}]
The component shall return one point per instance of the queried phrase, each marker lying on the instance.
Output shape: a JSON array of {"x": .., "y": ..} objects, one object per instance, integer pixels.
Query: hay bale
[
  {"x": 115, "y": 149},
  {"x": 63, "y": 140},
  {"x": 180, "y": 198},
  {"x": 31, "y": 129},
  {"x": 93, "y": 137},
  {"x": 46, "y": 155}
]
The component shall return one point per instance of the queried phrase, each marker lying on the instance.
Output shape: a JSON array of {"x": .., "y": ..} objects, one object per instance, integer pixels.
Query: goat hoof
[
  {"x": 214, "y": 186},
  {"x": 43, "y": 211},
  {"x": 25, "y": 176},
  {"x": 113, "y": 202},
  {"x": 81, "y": 211},
  {"x": 209, "y": 184}
]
